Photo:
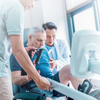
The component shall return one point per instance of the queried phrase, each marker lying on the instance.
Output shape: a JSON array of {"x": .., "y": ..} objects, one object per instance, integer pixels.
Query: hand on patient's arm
[{"x": 53, "y": 63}]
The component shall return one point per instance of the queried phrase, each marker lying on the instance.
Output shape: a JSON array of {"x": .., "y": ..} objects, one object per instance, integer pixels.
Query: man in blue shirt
[
  {"x": 58, "y": 49},
  {"x": 37, "y": 37}
]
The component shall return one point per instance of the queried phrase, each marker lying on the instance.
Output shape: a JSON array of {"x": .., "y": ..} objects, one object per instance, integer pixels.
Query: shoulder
[
  {"x": 12, "y": 5},
  {"x": 45, "y": 52},
  {"x": 15, "y": 4},
  {"x": 60, "y": 41},
  {"x": 14, "y": 8},
  {"x": 45, "y": 56}
]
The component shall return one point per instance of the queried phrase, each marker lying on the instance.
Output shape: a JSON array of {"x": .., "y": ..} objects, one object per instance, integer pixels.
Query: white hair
[{"x": 34, "y": 30}]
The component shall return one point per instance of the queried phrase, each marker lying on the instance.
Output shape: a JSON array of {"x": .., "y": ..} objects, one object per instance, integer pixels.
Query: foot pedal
[{"x": 85, "y": 87}]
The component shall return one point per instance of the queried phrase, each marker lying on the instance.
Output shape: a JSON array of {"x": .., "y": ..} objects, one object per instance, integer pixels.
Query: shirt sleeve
[{"x": 15, "y": 20}]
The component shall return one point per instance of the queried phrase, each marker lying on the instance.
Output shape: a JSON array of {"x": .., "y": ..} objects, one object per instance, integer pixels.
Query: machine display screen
[{"x": 91, "y": 53}]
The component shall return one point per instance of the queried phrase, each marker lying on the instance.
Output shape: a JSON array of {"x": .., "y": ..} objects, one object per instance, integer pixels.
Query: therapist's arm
[{"x": 23, "y": 59}]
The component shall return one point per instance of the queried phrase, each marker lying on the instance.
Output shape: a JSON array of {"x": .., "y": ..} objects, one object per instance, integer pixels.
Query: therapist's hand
[
  {"x": 43, "y": 83},
  {"x": 53, "y": 63}
]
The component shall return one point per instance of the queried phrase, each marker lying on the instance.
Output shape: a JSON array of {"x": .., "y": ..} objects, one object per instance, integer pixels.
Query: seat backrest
[
  {"x": 14, "y": 87},
  {"x": 25, "y": 38},
  {"x": 26, "y": 34}
]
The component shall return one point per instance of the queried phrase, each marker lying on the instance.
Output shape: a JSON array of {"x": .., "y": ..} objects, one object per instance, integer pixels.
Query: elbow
[
  {"x": 14, "y": 81},
  {"x": 17, "y": 51}
]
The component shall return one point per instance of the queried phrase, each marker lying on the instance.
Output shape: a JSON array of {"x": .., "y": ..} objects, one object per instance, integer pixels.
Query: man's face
[
  {"x": 28, "y": 4},
  {"x": 50, "y": 36},
  {"x": 38, "y": 40}
]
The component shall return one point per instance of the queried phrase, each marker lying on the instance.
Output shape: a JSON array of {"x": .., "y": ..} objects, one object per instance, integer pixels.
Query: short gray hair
[{"x": 34, "y": 30}]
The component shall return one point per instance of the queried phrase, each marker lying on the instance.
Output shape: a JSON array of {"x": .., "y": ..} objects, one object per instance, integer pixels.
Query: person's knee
[{"x": 66, "y": 70}]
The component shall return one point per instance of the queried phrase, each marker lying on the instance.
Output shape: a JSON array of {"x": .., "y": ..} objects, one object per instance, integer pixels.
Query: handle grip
[{"x": 38, "y": 56}]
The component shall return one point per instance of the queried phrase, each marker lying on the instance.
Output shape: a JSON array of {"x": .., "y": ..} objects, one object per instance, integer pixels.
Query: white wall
[
  {"x": 49, "y": 11},
  {"x": 34, "y": 16},
  {"x": 55, "y": 11}
]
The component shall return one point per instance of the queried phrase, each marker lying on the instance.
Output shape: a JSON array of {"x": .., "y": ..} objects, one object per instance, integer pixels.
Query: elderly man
[
  {"x": 57, "y": 48},
  {"x": 37, "y": 37}
]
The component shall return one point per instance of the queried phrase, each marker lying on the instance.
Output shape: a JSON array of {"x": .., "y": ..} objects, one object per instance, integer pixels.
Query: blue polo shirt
[{"x": 43, "y": 66}]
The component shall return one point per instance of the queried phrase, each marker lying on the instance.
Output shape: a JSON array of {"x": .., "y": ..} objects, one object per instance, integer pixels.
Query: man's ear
[{"x": 30, "y": 36}]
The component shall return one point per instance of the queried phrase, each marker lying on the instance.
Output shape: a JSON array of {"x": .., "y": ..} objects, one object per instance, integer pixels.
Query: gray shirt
[{"x": 11, "y": 23}]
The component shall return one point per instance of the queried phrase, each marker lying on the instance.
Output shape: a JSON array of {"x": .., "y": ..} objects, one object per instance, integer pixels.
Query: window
[
  {"x": 86, "y": 17},
  {"x": 98, "y": 1},
  {"x": 84, "y": 20}
]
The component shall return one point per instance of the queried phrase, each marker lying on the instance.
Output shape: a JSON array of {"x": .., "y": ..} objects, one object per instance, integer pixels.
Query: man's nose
[
  {"x": 51, "y": 38},
  {"x": 42, "y": 43}
]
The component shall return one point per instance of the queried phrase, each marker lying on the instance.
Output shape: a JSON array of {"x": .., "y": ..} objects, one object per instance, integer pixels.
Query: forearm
[{"x": 20, "y": 80}]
